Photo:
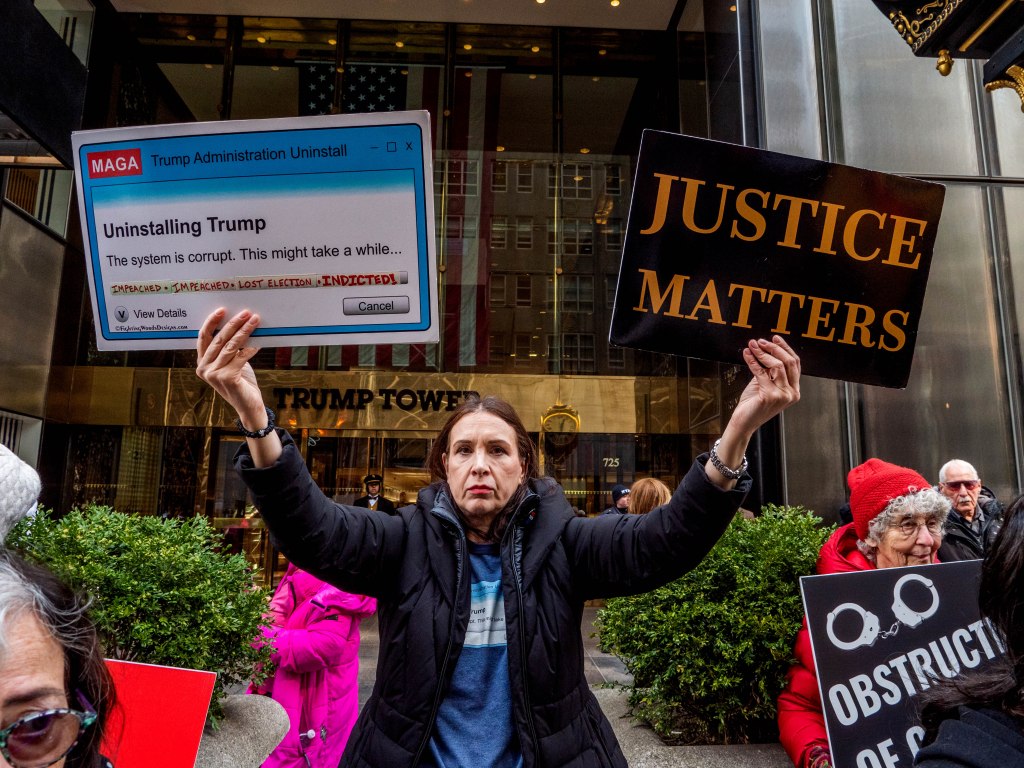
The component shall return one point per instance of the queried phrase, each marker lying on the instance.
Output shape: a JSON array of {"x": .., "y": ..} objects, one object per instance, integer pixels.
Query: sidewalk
[{"x": 643, "y": 749}]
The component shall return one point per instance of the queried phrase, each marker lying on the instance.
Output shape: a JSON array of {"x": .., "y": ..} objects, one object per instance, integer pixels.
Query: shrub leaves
[
  {"x": 709, "y": 652},
  {"x": 163, "y": 591}
]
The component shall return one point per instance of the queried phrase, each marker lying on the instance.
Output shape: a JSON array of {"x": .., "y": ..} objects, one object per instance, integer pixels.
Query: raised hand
[
  {"x": 223, "y": 361},
  {"x": 775, "y": 386},
  {"x": 224, "y": 364}
]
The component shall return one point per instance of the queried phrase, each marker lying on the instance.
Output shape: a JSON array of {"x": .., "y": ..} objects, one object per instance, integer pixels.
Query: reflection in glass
[
  {"x": 955, "y": 403},
  {"x": 1006, "y": 109},
  {"x": 73, "y": 21},
  {"x": 199, "y": 86},
  {"x": 265, "y": 92},
  {"x": 885, "y": 92},
  {"x": 42, "y": 193}
]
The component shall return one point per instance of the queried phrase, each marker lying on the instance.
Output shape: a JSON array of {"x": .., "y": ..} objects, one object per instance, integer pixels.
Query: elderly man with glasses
[{"x": 975, "y": 518}]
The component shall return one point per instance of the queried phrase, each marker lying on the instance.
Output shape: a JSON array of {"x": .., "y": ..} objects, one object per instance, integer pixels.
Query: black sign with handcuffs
[
  {"x": 904, "y": 614},
  {"x": 880, "y": 637}
]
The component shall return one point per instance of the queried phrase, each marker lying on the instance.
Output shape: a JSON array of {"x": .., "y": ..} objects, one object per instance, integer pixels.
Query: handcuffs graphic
[{"x": 870, "y": 631}]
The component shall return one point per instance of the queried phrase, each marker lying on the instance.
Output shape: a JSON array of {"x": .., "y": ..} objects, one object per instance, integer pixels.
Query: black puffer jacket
[{"x": 415, "y": 564}]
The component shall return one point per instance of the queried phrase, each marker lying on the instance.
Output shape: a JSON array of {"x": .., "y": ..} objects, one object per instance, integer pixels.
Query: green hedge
[
  {"x": 709, "y": 652},
  {"x": 163, "y": 591}
]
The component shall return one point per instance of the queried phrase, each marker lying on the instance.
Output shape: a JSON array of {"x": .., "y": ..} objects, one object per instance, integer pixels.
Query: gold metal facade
[
  {"x": 420, "y": 403},
  {"x": 170, "y": 438}
]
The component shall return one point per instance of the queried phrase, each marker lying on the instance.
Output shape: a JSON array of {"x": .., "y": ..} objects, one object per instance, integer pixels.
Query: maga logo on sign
[{"x": 117, "y": 162}]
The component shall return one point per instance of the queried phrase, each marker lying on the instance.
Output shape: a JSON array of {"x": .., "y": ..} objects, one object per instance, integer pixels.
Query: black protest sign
[
  {"x": 880, "y": 637},
  {"x": 727, "y": 243}
]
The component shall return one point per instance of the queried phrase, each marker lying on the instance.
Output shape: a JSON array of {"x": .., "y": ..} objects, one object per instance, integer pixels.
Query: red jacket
[{"x": 801, "y": 719}]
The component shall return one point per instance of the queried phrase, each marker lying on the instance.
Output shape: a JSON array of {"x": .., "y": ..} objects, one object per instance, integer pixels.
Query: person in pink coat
[{"x": 315, "y": 633}]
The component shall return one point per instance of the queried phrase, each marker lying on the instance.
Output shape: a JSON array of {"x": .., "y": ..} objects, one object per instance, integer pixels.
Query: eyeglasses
[
  {"x": 956, "y": 485},
  {"x": 910, "y": 527},
  {"x": 42, "y": 738}
]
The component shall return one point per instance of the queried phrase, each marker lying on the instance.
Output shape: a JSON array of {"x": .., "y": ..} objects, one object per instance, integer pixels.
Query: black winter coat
[
  {"x": 959, "y": 542},
  {"x": 415, "y": 564},
  {"x": 977, "y": 738}
]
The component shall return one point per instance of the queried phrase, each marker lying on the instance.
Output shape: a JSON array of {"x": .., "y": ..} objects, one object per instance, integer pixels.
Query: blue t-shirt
[{"x": 474, "y": 722}]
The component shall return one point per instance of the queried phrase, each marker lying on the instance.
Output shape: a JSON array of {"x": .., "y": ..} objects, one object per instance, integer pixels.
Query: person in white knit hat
[
  {"x": 54, "y": 685},
  {"x": 19, "y": 490}
]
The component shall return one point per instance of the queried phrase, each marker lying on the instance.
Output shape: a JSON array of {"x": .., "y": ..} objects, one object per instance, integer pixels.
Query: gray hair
[
  {"x": 30, "y": 589},
  {"x": 61, "y": 615},
  {"x": 944, "y": 470},
  {"x": 926, "y": 501}
]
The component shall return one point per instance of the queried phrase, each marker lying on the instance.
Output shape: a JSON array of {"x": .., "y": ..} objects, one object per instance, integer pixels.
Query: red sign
[
  {"x": 159, "y": 718},
  {"x": 116, "y": 162}
]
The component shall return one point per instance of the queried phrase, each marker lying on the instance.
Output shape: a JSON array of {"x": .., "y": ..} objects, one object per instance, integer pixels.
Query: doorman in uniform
[{"x": 373, "y": 499}]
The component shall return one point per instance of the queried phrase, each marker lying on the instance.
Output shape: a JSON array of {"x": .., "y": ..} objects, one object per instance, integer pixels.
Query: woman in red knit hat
[{"x": 898, "y": 519}]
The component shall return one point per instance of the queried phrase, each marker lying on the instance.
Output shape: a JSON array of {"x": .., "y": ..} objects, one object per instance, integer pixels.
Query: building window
[
  {"x": 524, "y": 233},
  {"x": 439, "y": 168},
  {"x": 524, "y": 290},
  {"x": 453, "y": 226},
  {"x": 499, "y": 232},
  {"x": 496, "y": 348},
  {"x": 616, "y": 358},
  {"x": 522, "y": 348},
  {"x": 524, "y": 178},
  {"x": 458, "y": 227},
  {"x": 612, "y": 180},
  {"x": 613, "y": 236},
  {"x": 578, "y": 293},
  {"x": 577, "y": 238},
  {"x": 577, "y": 180},
  {"x": 577, "y": 353},
  {"x": 497, "y": 290},
  {"x": 610, "y": 283},
  {"x": 463, "y": 177},
  {"x": 499, "y": 176}
]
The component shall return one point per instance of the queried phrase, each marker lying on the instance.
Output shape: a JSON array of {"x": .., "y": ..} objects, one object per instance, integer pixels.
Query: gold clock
[{"x": 561, "y": 424}]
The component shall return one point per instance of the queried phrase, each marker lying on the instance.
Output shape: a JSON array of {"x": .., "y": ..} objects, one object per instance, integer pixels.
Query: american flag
[
  {"x": 316, "y": 88},
  {"x": 473, "y": 136},
  {"x": 365, "y": 87},
  {"x": 374, "y": 88},
  {"x": 369, "y": 87}
]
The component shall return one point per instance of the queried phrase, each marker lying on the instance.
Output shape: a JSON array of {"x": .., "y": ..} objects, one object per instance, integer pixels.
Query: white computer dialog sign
[{"x": 323, "y": 225}]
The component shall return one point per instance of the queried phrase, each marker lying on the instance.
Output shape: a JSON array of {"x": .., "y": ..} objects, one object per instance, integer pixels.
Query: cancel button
[{"x": 377, "y": 305}]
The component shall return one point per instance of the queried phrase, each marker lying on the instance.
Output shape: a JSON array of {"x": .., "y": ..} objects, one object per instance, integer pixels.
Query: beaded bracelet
[{"x": 260, "y": 432}]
